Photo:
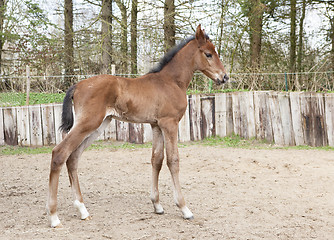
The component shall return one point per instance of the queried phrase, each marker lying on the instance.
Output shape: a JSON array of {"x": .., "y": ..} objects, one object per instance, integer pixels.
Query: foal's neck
[{"x": 182, "y": 67}]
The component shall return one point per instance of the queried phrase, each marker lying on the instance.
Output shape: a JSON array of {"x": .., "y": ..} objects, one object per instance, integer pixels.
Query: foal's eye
[{"x": 208, "y": 55}]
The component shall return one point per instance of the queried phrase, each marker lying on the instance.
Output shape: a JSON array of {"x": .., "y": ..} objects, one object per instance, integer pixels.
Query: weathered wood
[
  {"x": 136, "y": 133},
  {"x": 2, "y": 136},
  {"x": 263, "y": 124},
  {"x": 36, "y": 138},
  {"x": 23, "y": 127},
  {"x": 195, "y": 117},
  {"x": 249, "y": 102},
  {"x": 10, "y": 126},
  {"x": 229, "y": 115},
  {"x": 236, "y": 114},
  {"x": 319, "y": 130},
  {"x": 286, "y": 118},
  {"x": 296, "y": 116},
  {"x": 122, "y": 131},
  {"x": 110, "y": 131},
  {"x": 147, "y": 135},
  {"x": 184, "y": 126},
  {"x": 208, "y": 117},
  {"x": 329, "y": 110},
  {"x": 220, "y": 114},
  {"x": 57, "y": 110},
  {"x": 243, "y": 105},
  {"x": 48, "y": 125},
  {"x": 276, "y": 120}
]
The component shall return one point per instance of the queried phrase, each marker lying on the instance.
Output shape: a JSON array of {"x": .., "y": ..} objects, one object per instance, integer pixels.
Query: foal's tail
[{"x": 67, "y": 114}]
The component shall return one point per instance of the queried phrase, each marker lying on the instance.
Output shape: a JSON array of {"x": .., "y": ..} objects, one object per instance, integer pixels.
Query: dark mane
[{"x": 170, "y": 54}]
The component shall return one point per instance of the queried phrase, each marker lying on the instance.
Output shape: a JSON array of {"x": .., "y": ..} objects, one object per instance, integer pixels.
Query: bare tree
[
  {"x": 300, "y": 37},
  {"x": 2, "y": 18},
  {"x": 255, "y": 32},
  {"x": 124, "y": 35},
  {"x": 134, "y": 12},
  {"x": 169, "y": 24},
  {"x": 106, "y": 30},
  {"x": 68, "y": 43}
]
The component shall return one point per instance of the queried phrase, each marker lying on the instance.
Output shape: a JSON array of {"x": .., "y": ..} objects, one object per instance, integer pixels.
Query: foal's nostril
[{"x": 226, "y": 78}]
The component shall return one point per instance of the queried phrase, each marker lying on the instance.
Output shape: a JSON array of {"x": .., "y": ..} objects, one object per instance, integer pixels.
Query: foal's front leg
[{"x": 170, "y": 128}]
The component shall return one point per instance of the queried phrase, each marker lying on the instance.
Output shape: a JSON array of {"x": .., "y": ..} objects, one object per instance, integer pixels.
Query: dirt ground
[{"x": 233, "y": 193}]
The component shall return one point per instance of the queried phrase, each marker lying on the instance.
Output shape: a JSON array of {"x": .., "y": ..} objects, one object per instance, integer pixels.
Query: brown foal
[{"x": 158, "y": 98}]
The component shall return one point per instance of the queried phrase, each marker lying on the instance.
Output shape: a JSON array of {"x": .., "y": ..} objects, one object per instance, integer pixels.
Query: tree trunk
[
  {"x": 69, "y": 51},
  {"x": 332, "y": 40},
  {"x": 221, "y": 27},
  {"x": 255, "y": 32},
  {"x": 293, "y": 43},
  {"x": 134, "y": 12},
  {"x": 106, "y": 30},
  {"x": 169, "y": 24},
  {"x": 300, "y": 38},
  {"x": 2, "y": 37},
  {"x": 124, "y": 36}
]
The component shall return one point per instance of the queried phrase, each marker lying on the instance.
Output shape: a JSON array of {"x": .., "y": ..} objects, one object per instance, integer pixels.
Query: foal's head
[{"x": 207, "y": 59}]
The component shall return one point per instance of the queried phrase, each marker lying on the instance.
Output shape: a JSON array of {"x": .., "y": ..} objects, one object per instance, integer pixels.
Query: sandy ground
[{"x": 233, "y": 193}]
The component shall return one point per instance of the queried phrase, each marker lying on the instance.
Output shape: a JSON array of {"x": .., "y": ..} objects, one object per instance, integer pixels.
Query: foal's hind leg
[
  {"x": 157, "y": 158},
  {"x": 170, "y": 128},
  {"x": 72, "y": 166},
  {"x": 60, "y": 154}
]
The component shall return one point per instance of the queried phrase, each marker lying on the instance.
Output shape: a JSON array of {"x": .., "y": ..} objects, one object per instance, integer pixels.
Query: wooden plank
[
  {"x": 184, "y": 126},
  {"x": 36, "y": 138},
  {"x": 263, "y": 124},
  {"x": 220, "y": 114},
  {"x": 195, "y": 117},
  {"x": 208, "y": 117},
  {"x": 136, "y": 133},
  {"x": 305, "y": 109},
  {"x": 23, "y": 127},
  {"x": 244, "y": 112},
  {"x": 276, "y": 121},
  {"x": 147, "y": 134},
  {"x": 236, "y": 114},
  {"x": 110, "y": 131},
  {"x": 122, "y": 131},
  {"x": 10, "y": 126},
  {"x": 229, "y": 115},
  {"x": 48, "y": 125},
  {"x": 286, "y": 117},
  {"x": 57, "y": 110},
  {"x": 319, "y": 130},
  {"x": 296, "y": 116},
  {"x": 329, "y": 110},
  {"x": 2, "y": 136},
  {"x": 249, "y": 97}
]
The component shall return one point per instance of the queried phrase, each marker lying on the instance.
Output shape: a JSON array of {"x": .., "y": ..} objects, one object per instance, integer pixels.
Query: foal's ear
[{"x": 200, "y": 36}]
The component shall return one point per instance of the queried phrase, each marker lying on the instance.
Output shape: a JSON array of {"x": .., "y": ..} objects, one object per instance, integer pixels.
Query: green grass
[
  {"x": 19, "y": 99},
  {"x": 234, "y": 141}
]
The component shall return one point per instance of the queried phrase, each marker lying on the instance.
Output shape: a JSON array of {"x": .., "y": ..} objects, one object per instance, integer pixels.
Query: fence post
[
  {"x": 28, "y": 83},
  {"x": 286, "y": 82},
  {"x": 113, "y": 69}
]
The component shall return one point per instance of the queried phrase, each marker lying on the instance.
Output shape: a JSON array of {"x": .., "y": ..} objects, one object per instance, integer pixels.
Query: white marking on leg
[
  {"x": 187, "y": 214},
  {"x": 54, "y": 220},
  {"x": 82, "y": 209}
]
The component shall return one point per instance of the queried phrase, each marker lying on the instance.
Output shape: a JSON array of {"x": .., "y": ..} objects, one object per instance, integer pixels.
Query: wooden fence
[{"x": 296, "y": 118}]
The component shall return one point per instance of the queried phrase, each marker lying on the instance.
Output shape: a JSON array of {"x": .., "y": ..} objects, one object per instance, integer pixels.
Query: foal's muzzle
[{"x": 223, "y": 80}]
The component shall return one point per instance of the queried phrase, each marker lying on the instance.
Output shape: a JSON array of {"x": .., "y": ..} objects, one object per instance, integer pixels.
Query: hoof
[
  {"x": 189, "y": 218},
  {"x": 159, "y": 213},
  {"x": 87, "y": 218},
  {"x": 59, "y": 226}
]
